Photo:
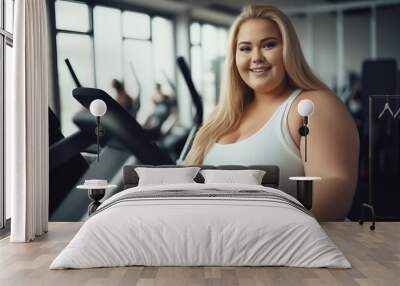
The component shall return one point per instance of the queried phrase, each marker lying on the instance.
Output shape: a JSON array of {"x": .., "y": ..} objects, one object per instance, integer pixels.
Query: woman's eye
[
  {"x": 244, "y": 49},
  {"x": 269, "y": 45}
]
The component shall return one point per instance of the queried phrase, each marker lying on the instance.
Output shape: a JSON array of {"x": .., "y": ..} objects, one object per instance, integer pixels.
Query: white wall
[
  {"x": 318, "y": 43},
  {"x": 320, "y": 48},
  {"x": 301, "y": 25},
  {"x": 324, "y": 41}
]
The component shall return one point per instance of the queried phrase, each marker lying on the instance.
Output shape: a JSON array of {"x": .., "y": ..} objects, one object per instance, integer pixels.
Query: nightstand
[
  {"x": 96, "y": 190},
  {"x": 305, "y": 189}
]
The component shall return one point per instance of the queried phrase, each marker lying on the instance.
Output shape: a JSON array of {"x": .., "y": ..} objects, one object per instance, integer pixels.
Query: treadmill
[{"x": 124, "y": 137}]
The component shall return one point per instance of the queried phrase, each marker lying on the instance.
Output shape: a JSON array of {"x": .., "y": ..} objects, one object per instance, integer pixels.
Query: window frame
[
  {"x": 56, "y": 99},
  {"x": 199, "y": 45}
]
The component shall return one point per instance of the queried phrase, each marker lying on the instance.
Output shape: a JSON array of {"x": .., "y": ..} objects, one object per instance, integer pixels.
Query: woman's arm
[{"x": 332, "y": 154}]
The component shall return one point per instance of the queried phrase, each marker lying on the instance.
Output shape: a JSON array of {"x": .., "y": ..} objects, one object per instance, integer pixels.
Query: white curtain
[{"x": 27, "y": 123}]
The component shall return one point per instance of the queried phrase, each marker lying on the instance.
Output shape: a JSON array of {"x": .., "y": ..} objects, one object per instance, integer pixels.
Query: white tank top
[{"x": 272, "y": 144}]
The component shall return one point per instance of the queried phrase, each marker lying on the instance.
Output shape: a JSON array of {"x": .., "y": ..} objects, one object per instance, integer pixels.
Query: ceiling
[
  {"x": 224, "y": 11},
  {"x": 234, "y": 6}
]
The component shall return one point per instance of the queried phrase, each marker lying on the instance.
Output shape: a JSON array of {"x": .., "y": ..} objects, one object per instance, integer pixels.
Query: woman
[
  {"x": 124, "y": 99},
  {"x": 256, "y": 120}
]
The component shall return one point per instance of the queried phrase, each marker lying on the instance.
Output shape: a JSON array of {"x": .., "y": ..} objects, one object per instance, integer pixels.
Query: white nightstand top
[
  {"x": 95, "y": 184},
  {"x": 88, "y": 187},
  {"x": 305, "y": 178}
]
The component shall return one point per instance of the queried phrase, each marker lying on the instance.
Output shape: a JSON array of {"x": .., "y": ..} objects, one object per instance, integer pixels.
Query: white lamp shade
[
  {"x": 98, "y": 107},
  {"x": 305, "y": 107}
]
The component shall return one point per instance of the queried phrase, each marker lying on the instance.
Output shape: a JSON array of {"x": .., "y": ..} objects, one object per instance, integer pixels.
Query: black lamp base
[
  {"x": 95, "y": 195},
  {"x": 305, "y": 193}
]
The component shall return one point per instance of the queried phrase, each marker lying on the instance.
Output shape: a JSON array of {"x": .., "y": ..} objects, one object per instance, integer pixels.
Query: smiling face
[{"x": 259, "y": 57}]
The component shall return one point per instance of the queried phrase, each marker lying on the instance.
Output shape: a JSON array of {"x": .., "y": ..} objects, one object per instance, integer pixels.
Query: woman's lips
[{"x": 260, "y": 70}]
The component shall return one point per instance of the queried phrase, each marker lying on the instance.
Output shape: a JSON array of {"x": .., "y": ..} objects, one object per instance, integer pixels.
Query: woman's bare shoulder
[
  {"x": 327, "y": 108},
  {"x": 319, "y": 96},
  {"x": 325, "y": 101}
]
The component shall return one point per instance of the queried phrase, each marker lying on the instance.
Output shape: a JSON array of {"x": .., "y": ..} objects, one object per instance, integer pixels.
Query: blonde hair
[{"x": 236, "y": 94}]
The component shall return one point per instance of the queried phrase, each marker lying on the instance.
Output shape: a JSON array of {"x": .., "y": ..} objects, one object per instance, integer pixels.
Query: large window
[
  {"x": 74, "y": 41},
  {"x": 106, "y": 43},
  {"x": 208, "y": 50},
  {"x": 6, "y": 42}
]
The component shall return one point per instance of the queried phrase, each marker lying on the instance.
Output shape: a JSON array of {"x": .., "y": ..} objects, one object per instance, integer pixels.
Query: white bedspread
[{"x": 181, "y": 231}]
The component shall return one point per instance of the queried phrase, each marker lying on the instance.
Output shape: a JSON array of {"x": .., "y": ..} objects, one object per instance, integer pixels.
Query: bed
[{"x": 201, "y": 224}]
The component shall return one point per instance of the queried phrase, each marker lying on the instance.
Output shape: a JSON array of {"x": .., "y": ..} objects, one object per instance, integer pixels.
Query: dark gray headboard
[{"x": 271, "y": 177}]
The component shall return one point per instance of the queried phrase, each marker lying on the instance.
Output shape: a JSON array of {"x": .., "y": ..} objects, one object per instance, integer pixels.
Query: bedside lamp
[
  {"x": 98, "y": 108},
  {"x": 305, "y": 109},
  {"x": 305, "y": 184}
]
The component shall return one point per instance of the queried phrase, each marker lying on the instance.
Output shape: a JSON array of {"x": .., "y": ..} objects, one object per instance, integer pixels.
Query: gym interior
[{"x": 158, "y": 65}]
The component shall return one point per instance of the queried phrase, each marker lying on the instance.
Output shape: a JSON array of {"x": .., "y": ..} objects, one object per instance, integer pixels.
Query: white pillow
[
  {"x": 162, "y": 176},
  {"x": 248, "y": 177}
]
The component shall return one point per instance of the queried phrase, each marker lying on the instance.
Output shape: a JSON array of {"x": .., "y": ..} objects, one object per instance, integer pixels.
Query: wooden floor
[{"x": 374, "y": 255}]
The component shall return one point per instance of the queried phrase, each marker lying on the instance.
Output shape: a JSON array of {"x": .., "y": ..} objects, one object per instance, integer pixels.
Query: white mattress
[{"x": 183, "y": 231}]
